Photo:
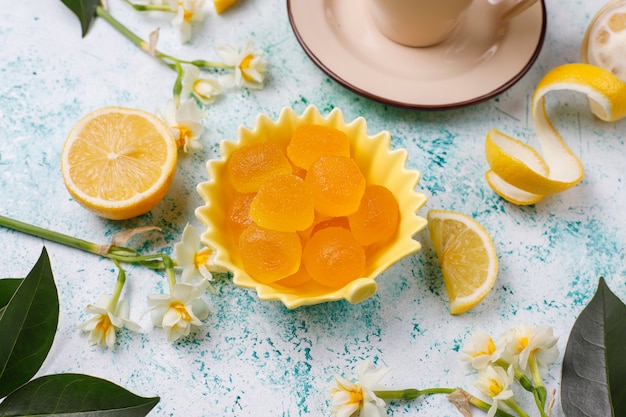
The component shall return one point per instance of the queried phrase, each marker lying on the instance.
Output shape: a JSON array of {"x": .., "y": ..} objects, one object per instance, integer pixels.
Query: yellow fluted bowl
[{"x": 378, "y": 163}]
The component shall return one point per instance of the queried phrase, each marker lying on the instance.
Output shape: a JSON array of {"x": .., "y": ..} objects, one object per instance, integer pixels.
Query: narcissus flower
[
  {"x": 178, "y": 312},
  {"x": 248, "y": 63},
  {"x": 495, "y": 383},
  {"x": 481, "y": 351},
  {"x": 106, "y": 320},
  {"x": 184, "y": 123},
  {"x": 526, "y": 343},
  {"x": 193, "y": 256},
  {"x": 187, "y": 11},
  {"x": 202, "y": 88},
  {"x": 358, "y": 398}
]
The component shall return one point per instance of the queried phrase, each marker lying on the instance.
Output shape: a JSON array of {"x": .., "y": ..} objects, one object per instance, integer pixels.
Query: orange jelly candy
[
  {"x": 311, "y": 141},
  {"x": 299, "y": 278},
  {"x": 251, "y": 165},
  {"x": 337, "y": 185},
  {"x": 283, "y": 203},
  {"x": 333, "y": 257},
  {"x": 377, "y": 217},
  {"x": 238, "y": 214},
  {"x": 269, "y": 255}
]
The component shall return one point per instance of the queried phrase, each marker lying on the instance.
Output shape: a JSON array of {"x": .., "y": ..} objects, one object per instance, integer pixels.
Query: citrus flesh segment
[
  {"x": 119, "y": 162},
  {"x": 520, "y": 174},
  {"x": 466, "y": 255}
]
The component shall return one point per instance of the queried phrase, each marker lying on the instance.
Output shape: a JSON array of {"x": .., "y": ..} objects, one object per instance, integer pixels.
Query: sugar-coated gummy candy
[
  {"x": 283, "y": 203},
  {"x": 311, "y": 141},
  {"x": 333, "y": 257},
  {"x": 377, "y": 217},
  {"x": 337, "y": 185},
  {"x": 251, "y": 165},
  {"x": 269, "y": 255},
  {"x": 238, "y": 213}
]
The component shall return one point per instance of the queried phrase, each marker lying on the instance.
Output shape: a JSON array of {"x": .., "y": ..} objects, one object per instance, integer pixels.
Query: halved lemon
[
  {"x": 119, "y": 162},
  {"x": 466, "y": 255}
]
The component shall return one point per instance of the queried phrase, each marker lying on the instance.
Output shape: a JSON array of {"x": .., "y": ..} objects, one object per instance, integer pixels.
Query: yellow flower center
[
  {"x": 104, "y": 324},
  {"x": 181, "y": 310},
  {"x": 491, "y": 347},
  {"x": 187, "y": 15},
  {"x": 245, "y": 64},
  {"x": 202, "y": 257},
  {"x": 523, "y": 343},
  {"x": 494, "y": 388},
  {"x": 184, "y": 136}
]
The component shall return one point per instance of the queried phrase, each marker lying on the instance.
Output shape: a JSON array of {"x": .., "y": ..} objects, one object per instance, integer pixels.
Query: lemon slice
[
  {"x": 221, "y": 5},
  {"x": 604, "y": 43},
  {"x": 519, "y": 173},
  {"x": 119, "y": 162},
  {"x": 466, "y": 255}
]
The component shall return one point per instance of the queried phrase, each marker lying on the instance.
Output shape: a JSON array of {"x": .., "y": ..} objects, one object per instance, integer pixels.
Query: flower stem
[
  {"x": 411, "y": 393},
  {"x": 150, "y": 7},
  {"x": 515, "y": 407},
  {"x": 540, "y": 390},
  {"x": 519, "y": 376},
  {"x": 119, "y": 285},
  {"x": 50, "y": 235}
]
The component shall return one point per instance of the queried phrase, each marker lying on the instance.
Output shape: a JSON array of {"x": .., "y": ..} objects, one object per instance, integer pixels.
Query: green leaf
[
  {"x": 75, "y": 395},
  {"x": 593, "y": 382},
  {"x": 85, "y": 10},
  {"x": 27, "y": 325},
  {"x": 8, "y": 286}
]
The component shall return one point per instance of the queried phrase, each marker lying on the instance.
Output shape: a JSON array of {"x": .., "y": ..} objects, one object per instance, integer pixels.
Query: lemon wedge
[
  {"x": 520, "y": 174},
  {"x": 466, "y": 255},
  {"x": 119, "y": 162},
  {"x": 604, "y": 43},
  {"x": 221, "y": 5}
]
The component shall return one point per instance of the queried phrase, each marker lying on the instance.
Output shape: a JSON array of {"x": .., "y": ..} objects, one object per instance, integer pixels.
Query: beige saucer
[{"x": 479, "y": 61}]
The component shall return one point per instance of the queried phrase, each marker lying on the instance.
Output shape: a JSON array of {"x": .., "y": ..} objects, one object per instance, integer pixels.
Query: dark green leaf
[
  {"x": 27, "y": 325},
  {"x": 593, "y": 382},
  {"x": 8, "y": 286},
  {"x": 85, "y": 10},
  {"x": 75, "y": 395}
]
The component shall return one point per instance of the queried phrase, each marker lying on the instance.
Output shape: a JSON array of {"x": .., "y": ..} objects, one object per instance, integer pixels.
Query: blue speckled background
[{"x": 254, "y": 358}]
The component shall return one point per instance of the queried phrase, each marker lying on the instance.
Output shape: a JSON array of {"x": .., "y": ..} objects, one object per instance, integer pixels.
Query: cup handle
[{"x": 516, "y": 9}]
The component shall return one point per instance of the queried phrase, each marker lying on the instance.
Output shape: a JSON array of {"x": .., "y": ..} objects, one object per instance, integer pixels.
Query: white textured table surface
[{"x": 259, "y": 358}]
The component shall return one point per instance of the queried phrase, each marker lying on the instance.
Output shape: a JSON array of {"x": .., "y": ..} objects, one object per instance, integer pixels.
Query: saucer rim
[{"x": 414, "y": 105}]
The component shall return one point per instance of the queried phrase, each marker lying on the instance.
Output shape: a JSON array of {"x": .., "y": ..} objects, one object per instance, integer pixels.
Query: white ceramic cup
[{"x": 422, "y": 23}]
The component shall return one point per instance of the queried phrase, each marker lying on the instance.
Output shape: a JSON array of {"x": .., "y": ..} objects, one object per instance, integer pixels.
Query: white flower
[
  {"x": 351, "y": 399},
  {"x": 248, "y": 63},
  {"x": 481, "y": 351},
  {"x": 526, "y": 342},
  {"x": 184, "y": 123},
  {"x": 204, "y": 89},
  {"x": 180, "y": 310},
  {"x": 193, "y": 256},
  {"x": 495, "y": 382},
  {"x": 187, "y": 11},
  {"x": 103, "y": 325}
]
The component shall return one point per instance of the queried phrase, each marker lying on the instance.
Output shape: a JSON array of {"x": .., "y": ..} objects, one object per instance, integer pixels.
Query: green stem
[
  {"x": 485, "y": 406},
  {"x": 150, "y": 7},
  {"x": 200, "y": 63},
  {"x": 519, "y": 375},
  {"x": 169, "y": 269},
  {"x": 540, "y": 390},
  {"x": 50, "y": 235},
  {"x": 515, "y": 407},
  {"x": 411, "y": 393},
  {"x": 119, "y": 285}
]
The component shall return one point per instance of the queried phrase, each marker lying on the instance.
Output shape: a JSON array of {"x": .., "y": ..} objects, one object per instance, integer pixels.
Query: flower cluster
[
  {"x": 521, "y": 355},
  {"x": 194, "y": 89},
  {"x": 176, "y": 312}
]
